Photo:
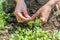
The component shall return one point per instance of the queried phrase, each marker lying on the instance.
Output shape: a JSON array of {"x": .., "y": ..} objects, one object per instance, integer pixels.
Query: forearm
[
  {"x": 51, "y": 3},
  {"x": 18, "y": 1}
]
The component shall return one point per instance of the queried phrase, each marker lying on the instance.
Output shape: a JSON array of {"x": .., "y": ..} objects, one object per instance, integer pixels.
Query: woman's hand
[
  {"x": 20, "y": 10},
  {"x": 44, "y": 11}
]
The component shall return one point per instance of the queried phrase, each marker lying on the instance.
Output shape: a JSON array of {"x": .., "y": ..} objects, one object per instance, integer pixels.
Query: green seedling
[
  {"x": 31, "y": 24},
  {"x": 2, "y": 15},
  {"x": 27, "y": 34},
  {"x": 37, "y": 22}
]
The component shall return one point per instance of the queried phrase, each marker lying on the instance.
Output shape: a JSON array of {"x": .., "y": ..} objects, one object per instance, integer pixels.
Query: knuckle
[{"x": 16, "y": 12}]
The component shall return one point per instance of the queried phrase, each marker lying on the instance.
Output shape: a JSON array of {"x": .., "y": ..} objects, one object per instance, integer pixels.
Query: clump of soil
[{"x": 4, "y": 35}]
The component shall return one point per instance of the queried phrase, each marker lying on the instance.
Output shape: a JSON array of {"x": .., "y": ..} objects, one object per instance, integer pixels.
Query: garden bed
[{"x": 14, "y": 28}]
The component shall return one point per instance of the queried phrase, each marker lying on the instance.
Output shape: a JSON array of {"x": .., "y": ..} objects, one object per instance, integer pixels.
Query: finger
[
  {"x": 18, "y": 18},
  {"x": 36, "y": 14},
  {"x": 26, "y": 14},
  {"x": 21, "y": 16},
  {"x": 45, "y": 15},
  {"x": 44, "y": 20}
]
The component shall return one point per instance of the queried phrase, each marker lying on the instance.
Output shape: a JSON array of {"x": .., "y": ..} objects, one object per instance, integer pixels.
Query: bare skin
[
  {"x": 44, "y": 11},
  {"x": 21, "y": 9}
]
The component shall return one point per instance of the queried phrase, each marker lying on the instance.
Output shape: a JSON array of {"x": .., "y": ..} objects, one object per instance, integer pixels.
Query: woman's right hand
[{"x": 20, "y": 10}]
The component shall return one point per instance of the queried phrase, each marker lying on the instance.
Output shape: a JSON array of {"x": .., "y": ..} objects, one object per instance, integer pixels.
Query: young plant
[
  {"x": 35, "y": 23},
  {"x": 30, "y": 23},
  {"x": 2, "y": 15},
  {"x": 27, "y": 34}
]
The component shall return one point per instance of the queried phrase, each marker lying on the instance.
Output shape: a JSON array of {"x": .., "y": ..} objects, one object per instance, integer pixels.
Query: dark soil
[
  {"x": 53, "y": 22},
  {"x": 32, "y": 7}
]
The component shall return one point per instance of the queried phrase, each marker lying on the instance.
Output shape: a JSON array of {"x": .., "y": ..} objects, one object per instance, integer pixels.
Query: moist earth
[{"x": 32, "y": 7}]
